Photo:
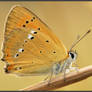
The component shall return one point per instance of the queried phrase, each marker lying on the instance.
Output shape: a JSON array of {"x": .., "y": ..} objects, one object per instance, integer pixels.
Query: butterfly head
[{"x": 73, "y": 55}]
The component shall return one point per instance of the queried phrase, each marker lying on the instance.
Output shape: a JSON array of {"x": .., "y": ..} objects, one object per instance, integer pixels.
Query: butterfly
[{"x": 31, "y": 48}]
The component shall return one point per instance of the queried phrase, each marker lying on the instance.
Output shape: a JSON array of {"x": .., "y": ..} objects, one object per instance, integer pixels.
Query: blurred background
[{"x": 67, "y": 20}]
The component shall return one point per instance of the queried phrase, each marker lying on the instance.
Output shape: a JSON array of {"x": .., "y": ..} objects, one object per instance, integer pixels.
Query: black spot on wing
[
  {"x": 38, "y": 28},
  {"x": 24, "y": 25},
  {"x": 27, "y": 22},
  {"x": 47, "y": 41}
]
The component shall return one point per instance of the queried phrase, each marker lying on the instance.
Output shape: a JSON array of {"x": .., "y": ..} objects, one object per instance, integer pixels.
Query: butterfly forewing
[{"x": 30, "y": 44}]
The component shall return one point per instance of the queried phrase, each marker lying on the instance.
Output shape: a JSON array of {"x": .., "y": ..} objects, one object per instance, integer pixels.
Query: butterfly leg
[
  {"x": 51, "y": 74},
  {"x": 77, "y": 69},
  {"x": 64, "y": 75},
  {"x": 49, "y": 77},
  {"x": 74, "y": 68},
  {"x": 65, "y": 72}
]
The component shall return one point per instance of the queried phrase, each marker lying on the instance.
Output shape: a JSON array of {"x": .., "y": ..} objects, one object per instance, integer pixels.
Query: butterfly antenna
[{"x": 78, "y": 40}]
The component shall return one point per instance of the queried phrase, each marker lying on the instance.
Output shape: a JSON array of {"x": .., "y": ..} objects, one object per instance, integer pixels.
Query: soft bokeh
[{"x": 67, "y": 20}]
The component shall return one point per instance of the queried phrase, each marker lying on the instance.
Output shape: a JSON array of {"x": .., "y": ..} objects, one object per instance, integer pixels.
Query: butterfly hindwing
[{"x": 30, "y": 44}]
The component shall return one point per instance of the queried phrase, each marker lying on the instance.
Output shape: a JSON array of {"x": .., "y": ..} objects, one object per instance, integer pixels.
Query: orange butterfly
[{"x": 31, "y": 48}]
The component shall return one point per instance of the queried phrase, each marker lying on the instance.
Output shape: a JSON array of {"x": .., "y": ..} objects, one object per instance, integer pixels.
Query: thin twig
[{"x": 59, "y": 82}]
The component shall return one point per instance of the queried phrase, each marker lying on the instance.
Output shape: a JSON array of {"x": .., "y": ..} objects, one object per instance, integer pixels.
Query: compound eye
[{"x": 72, "y": 55}]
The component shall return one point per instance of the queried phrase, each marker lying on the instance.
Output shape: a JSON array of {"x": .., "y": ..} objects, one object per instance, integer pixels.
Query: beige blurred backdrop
[{"x": 67, "y": 20}]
